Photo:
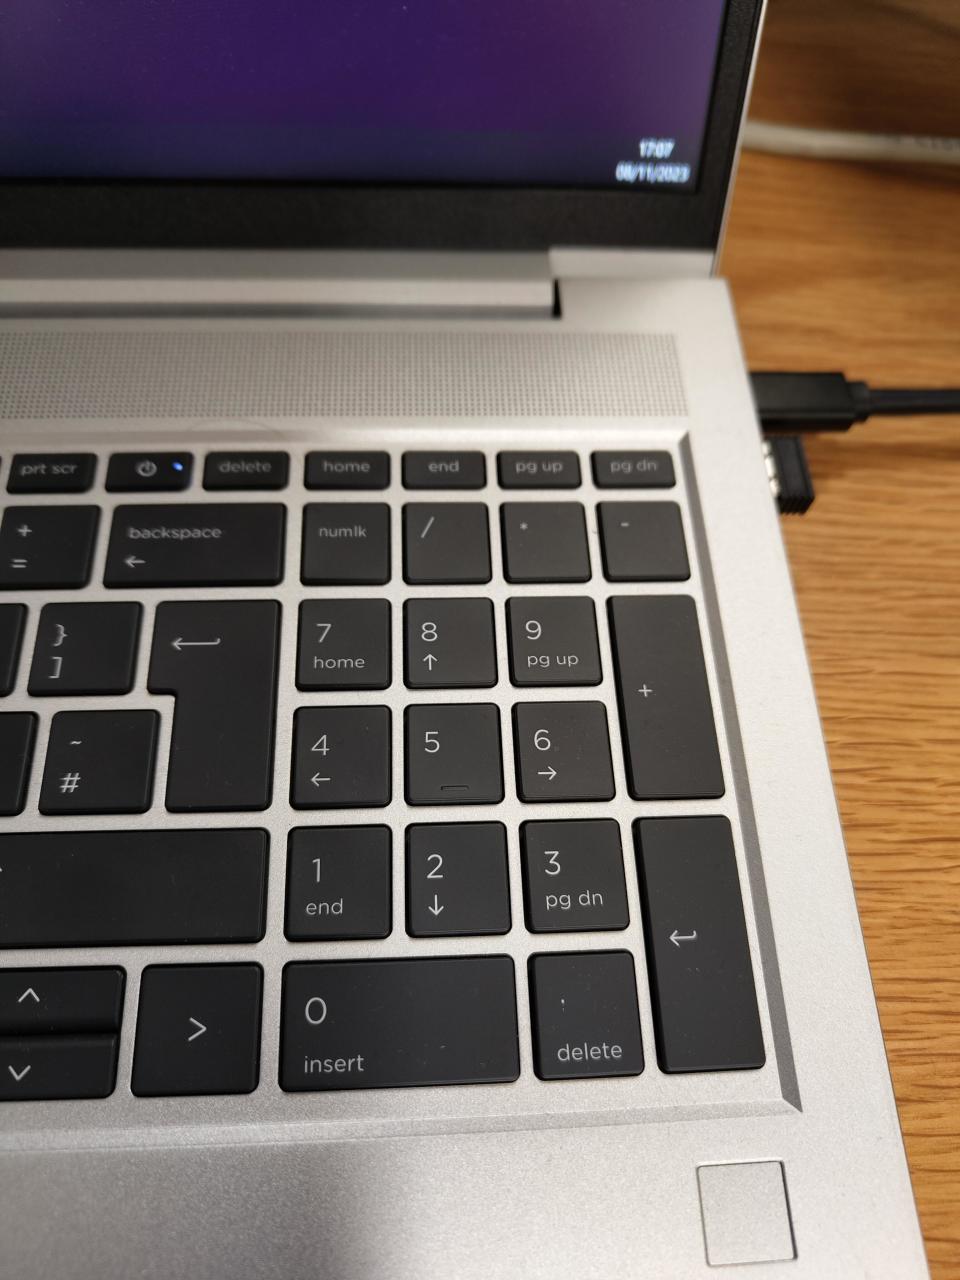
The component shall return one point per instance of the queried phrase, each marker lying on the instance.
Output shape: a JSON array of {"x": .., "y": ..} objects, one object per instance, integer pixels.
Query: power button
[{"x": 152, "y": 472}]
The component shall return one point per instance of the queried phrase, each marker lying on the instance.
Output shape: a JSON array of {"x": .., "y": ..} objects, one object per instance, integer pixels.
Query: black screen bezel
[{"x": 300, "y": 215}]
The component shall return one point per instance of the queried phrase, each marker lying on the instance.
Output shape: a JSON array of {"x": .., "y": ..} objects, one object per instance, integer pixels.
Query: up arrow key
[{"x": 32, "y": 995}]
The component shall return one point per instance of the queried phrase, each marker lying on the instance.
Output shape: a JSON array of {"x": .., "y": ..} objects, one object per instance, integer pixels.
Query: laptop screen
[{"x": 566, "y": 93}]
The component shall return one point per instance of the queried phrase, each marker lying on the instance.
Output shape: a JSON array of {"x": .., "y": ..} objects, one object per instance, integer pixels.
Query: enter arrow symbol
[
  {"x": 32, "y": 994},
  {"x": 549, "y": 774},
  {"x": 429, "y": 659},
  {"x": 199, "y": 1031},
  {"x": 132, "y": 561},
  {"x": 18, "y": 1075},
  {"x": 180, "y": 643},
  {"x": 677, "y": 938},
  {"x": 436, "y": 908}
]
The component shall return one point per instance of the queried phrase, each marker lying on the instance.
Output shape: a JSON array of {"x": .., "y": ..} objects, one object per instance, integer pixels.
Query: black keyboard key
[
  {"x": 449, "y": 644},
  {"x": 198, "y": 1030},
  {"x": 149, "y": 472},
  {"x": 344, "y": 644},
  {"x": 665, "y": 714},
  {"x": 51, "y": 472},
  {"x": 100, "y": 762},
  {"x": 246, "y": 470},
  {"x": 445, "y": 542},
  {"x": 563, "y": 751},
  {"x": 374, "y": 1024},
  {"x": 46, "y": 1067},
  {"x": 585, "y": 1017},
  {"x": 704, "y": 1000},
  {"x": 545, "y": 542},
  {"x": 12, "y": 618},
  {"x": 633, "y": 469},
  {"x": 536, "y": 470},
  {"x": 220, "y": 660},
  {"x": 85, "y": 648},
  {"x": 338, "y": 883},
  {"x": 17, "y": 732},
  {"x": 553, "y": 641},
  {"x": 457, "y": 880},
  {"x": 196, "y": 545},
  {"x": 342, "y": 470},
  {"x": 573, "y": 876},
  {"x": 47, "y": 547},
  {"x": 124, "y": 888},
  {"x": 643, "y": 542},
  {"x": 453, "y": 754},
  {"x": 346, "y": 542},
  {"x": 341, "y": 758},
  {"x": 423, "y": 470},
  {"x": 53, "y": 1001}
]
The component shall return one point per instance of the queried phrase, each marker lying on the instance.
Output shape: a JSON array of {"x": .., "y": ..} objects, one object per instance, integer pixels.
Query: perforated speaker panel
[{"x": 190, "y": 372}]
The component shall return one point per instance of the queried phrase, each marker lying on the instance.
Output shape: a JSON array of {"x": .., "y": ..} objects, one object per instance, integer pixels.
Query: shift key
[{"x": 196, "y": 545}]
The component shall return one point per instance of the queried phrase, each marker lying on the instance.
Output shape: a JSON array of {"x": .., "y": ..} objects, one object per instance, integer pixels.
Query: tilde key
[{"x": 220, "y": 660}]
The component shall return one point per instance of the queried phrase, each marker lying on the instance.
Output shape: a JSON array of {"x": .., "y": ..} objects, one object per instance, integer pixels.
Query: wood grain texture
[
  {"x": 861, "y": 64},
  {"x": 844, "y": 266}
]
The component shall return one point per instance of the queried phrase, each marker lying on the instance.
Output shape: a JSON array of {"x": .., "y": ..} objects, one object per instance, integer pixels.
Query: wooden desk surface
[{"x": 858, "y": 268}]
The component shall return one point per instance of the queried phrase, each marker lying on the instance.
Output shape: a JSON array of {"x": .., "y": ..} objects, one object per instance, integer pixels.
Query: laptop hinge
[
  {"x": 243, "y": 282},
  {"x": 631, "y": 264}
]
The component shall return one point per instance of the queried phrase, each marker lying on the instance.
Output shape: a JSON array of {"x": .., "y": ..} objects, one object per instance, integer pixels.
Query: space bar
[{"x": 120, "y": 888}]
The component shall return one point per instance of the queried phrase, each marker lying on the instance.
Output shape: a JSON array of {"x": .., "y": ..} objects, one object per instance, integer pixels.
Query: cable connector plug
[
  {"x": 831, "y": 402},
  {"x": 790, "y": 479}
]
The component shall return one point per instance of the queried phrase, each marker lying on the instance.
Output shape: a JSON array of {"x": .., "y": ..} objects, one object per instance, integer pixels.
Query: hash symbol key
[{"x": 99, "y": 762}]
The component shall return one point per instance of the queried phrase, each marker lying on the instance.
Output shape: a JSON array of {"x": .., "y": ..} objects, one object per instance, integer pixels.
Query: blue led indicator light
[{"x": 177, "y": 466}]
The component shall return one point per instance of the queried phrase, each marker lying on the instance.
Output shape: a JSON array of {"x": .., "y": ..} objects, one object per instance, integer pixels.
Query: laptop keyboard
[{"x": 444, "y": 643}]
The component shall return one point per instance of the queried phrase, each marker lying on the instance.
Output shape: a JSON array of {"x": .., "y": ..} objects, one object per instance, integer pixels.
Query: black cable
[
  {"x": 890, "y": 401},
  {"x": 830, "y": 402}
]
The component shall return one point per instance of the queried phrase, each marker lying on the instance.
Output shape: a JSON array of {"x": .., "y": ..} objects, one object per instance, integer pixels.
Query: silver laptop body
[{"x": 557, "y": 371}]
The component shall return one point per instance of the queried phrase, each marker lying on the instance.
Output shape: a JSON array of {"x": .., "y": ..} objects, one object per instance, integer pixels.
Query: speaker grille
[{"x": 76, "y": 373}]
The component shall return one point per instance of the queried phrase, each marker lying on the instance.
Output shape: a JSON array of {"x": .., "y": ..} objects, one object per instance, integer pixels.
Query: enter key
[{"x": 704, "y": 1000}]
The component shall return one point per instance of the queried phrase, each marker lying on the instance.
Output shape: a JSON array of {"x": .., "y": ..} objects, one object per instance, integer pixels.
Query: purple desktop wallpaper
[{"x": 537, "y": 92}]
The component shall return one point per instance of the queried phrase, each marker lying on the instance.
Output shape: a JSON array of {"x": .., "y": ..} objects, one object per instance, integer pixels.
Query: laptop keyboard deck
[{"x": 421, "y": 747}]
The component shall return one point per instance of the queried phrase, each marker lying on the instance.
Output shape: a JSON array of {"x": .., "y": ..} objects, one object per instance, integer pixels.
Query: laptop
[{"x": 418, "y": 855}]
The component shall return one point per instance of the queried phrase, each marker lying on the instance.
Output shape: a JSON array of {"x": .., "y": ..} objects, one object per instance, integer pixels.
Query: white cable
[{"x": 841, "y": 144}]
